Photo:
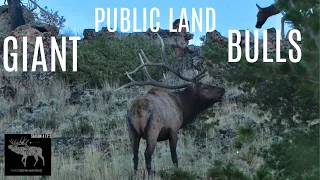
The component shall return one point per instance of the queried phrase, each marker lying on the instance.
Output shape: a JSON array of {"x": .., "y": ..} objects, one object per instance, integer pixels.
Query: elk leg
[
  {"x": 40, "y": 155},
  {"x": 135, "y": 141},
  {"x": 151, "y": 144},
  {"x": 24, "y": 161},
  {"x": 36, "y": 157},
  {"x": 173, "y": 148}
]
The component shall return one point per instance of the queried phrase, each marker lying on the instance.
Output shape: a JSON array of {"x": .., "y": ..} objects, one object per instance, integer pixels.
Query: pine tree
[
  {"x": 288, "y": 90},
  {"x": 304, "y": 16}
]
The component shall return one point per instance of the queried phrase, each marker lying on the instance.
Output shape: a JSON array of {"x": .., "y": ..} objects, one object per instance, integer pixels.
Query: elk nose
[{"x": 222, "y": 91}]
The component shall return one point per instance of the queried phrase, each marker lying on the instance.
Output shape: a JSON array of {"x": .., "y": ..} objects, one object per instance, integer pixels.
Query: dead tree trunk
[{"x": 16, "y": 15}]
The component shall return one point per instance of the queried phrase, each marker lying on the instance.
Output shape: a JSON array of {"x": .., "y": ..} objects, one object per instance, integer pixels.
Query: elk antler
[
  {"x": 12, "y": 142},
  {"x": 164, "y": 64},
  {"x": 22, "y": 141}
]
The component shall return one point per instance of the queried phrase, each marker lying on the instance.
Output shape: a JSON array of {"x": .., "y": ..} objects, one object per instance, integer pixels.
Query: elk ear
[{"x": 259, "y": 8}]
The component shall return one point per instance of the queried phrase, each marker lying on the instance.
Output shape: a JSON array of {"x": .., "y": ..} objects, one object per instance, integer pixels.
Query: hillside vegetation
[
  {"x": 266, "y": 128},
  {"x": 108, "y": 58},
  {"x": 236, "y": 139}
]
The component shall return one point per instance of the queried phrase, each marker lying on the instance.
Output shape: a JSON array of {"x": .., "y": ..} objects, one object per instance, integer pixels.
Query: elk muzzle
[
  {"x": 221, "y": 92},
  {"x": 258, "y": 26}
]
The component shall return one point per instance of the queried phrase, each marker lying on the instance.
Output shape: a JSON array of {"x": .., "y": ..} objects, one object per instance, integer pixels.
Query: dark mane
[{"x": 189, "y": 106}]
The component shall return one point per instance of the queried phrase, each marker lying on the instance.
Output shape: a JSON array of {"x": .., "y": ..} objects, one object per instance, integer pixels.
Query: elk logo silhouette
[{"x": 26, "y": 150}]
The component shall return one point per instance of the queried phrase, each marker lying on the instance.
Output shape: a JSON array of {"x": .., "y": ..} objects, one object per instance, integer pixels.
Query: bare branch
[{"x": 36, "y": 5}]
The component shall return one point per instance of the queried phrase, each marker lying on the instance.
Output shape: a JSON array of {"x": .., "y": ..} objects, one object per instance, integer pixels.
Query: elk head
[
  {"x": 264, "y": 13},
  {"x": 208, "y": 93},
  {"x": 204, "y": 92}
]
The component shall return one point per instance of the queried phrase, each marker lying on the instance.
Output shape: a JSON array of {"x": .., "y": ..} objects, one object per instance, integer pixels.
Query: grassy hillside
[
  {"x": 104, "y": 119},
  {"x": 232, "y": 140}
]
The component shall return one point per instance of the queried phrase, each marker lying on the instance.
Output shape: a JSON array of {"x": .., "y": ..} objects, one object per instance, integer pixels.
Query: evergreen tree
[
  {"x": 304, "y": 16},
  {"x": 288, "y": 90},
  {"x": 295, "y": 157}
]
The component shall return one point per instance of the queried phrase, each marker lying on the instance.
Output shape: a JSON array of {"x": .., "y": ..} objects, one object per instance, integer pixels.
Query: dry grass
[{"x": 106, "y": 119}]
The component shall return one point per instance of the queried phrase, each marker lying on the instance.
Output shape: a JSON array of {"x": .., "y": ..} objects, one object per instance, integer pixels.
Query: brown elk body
[{"x": 159, "y": 114}]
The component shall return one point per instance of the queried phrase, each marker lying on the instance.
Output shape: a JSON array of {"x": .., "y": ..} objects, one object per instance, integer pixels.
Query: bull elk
[{"x": 159, "y": 114}]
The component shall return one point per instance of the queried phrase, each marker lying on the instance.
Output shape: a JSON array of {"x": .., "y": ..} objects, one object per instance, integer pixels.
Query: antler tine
[
  {"x": 131, "y": 79},
  {"x": 20, "y": 140},
  {"x": 145, "y": 71},
  {"x": 144, "y": 56},
  {"x": 153, "y": 83},
  {"x": 150, "y": 82},
  {"x": 11, "y": 141},
  {"x": 201, "y": 75},
  {"x": 164, "y": 64},
  {"x": 23, "y": 141},
  {"x": 163, "y": 54},
  {"x": 26, "y": 141}
]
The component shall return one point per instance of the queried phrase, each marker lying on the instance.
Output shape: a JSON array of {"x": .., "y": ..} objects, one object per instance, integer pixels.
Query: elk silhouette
[
  {"x": 264, "y": 13},
  {"x": 26, "y": 150},
  {"x": 159, "y": 114}
]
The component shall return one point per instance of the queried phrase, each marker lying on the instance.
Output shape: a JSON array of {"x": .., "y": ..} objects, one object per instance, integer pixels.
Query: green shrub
[
  {"x": 177, "y": 174},
  {"x": 263, "y": 173},
  {"x": 246, "y": 133},
  {"x": 296, "y": 156},
  {"x": 81, "y": 124},
  {"x": 228, "y": 171},
  {"x": 108, "y": 58},
  {"x": 43, "y": 117}
]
